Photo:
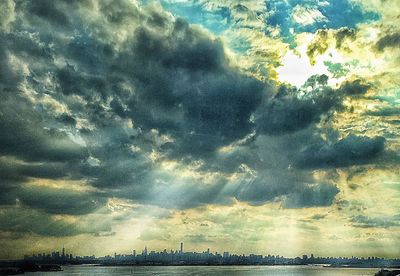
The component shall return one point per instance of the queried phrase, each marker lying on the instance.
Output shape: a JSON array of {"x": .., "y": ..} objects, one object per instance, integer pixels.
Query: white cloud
[{"x": 307, "y": 16}]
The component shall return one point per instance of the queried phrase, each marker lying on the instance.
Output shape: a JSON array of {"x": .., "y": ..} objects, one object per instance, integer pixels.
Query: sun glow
[{"x": 296, "y": 68}]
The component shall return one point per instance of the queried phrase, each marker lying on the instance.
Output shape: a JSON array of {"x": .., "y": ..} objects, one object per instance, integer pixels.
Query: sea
[{"x": 208, "y": 270}]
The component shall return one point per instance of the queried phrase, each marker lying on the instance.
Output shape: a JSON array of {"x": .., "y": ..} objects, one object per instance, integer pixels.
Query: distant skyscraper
[{"x": 181, "y": 247}]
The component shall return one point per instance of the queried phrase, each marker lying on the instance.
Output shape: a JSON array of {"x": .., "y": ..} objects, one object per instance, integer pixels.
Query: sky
[{"x": 267, "y": 127}]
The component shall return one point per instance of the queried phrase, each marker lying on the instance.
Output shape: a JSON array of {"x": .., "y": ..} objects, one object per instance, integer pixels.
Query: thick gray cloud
[
  {"x": 287, "y": 112},
  {"x": 355, "y": 87},
  {"x": 384, "y": 112},
  {"x": 311, "y": 196},
  {"x": 187, "y": 90},
  {"x": 376, "y": 222},
  {"x": 25, "y": 134},
  {"x": 345, "y": 152},
  {"x": 295, "y": 189},
  {"x": 60, "y": 201},
  {"x": 46, "y": 10},
  {"x": 29, "y": 221},
  {"x": 388, "y": 41}
]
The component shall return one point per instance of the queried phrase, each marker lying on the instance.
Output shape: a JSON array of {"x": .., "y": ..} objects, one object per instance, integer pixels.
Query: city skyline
[
  {"x": 243, "y": 126},
  {"x": 207, "y": 257},
  {"x": 65, "y": 255}
]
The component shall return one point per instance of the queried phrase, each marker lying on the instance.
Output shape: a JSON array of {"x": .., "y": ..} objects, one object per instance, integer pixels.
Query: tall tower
[
  {"x": 63, "y": 252},
  {"x": 181, "y": 247}
]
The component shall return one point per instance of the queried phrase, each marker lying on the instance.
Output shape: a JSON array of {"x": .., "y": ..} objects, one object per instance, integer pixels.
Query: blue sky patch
[
  {"x": 336, "y": 13},
  {"x": 216, "y": 21}
]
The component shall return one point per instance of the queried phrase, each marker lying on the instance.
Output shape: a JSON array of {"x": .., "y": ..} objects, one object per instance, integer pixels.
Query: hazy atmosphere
[{"x": 267, "y": 127}]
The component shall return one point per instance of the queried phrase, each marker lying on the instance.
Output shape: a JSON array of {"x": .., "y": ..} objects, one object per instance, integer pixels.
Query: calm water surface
[{"x": 208, "y": 270}]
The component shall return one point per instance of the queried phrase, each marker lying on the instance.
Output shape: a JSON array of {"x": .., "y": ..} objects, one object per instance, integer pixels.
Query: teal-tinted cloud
[
  {"x": 331, "y": 14},
  {"x": 216, "y": 21},
  {"x": 337, "y": 14}
]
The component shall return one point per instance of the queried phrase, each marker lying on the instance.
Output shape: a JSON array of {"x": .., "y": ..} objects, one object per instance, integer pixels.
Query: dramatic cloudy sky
[{"x": 269, "y": 127}]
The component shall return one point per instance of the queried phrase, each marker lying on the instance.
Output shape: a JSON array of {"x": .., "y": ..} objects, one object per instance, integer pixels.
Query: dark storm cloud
[
  {"x": 355, "y": 87},
  {"x": 52, "y": 200},
  {"x": 34, "y": 222},
  {"x": 376, "y": 222},
  {"x": 285, "y": 174},
  {"x": 295, "y": 189},
  {"x": 184, "y": 76},
  {"x": 184, "y": 85},
  {"x": 384, "y": 112},
  {"x": 23, "y": 133},
  {"x": 46, "y": 10},
  {"x": 388, "y": 41},
  {"x": 67, "y": 119},
  {"x": 60, "y": 201},
  {"x": 286, "y": 112},
  {"x": 183, "y": 48},
  {"x": 113, "y": 164},
  {"x": 10, "y": 169},
  {"x": 30, "y": 221},
  {"x": 8, "y": 76},
  {"x": 311, "y": 196},
  {"x": 345, "y": 152}
]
